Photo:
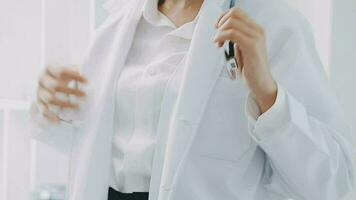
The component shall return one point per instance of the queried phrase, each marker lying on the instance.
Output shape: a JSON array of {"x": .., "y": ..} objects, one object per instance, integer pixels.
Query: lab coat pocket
[
  {"x": 233, "y": 88},
  {"x": 225, "y": 74},
  {"x": 222, "y": 132}
]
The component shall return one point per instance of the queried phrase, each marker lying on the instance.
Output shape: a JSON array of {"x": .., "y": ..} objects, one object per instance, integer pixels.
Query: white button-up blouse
[{"x": 157, "y": 51}]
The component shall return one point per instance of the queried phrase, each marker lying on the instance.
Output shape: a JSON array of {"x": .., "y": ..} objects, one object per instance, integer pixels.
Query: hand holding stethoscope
[{"x": 247, "y": 54}]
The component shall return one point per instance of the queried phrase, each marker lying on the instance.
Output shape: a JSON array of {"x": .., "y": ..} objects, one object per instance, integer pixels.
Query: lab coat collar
[
  {"x": 200, "y": 73},
  {"x": 91, "y": 156}
]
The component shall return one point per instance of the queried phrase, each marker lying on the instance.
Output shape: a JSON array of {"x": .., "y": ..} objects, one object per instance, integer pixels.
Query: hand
[
  {"x": 54, "y": 80},
  {"x": 250, "y": 52}
]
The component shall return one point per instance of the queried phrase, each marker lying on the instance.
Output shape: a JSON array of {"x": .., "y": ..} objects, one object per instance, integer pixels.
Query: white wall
[
  {"x": 343, "y": 61},
  {"x": 20, "y": 43}
]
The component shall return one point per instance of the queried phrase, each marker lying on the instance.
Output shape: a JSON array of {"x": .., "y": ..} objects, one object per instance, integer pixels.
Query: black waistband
[{"x": 116, "y": 195}]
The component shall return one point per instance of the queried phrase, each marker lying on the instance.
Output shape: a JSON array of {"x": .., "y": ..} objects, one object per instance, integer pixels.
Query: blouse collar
[{"x": 152, "y": 15}]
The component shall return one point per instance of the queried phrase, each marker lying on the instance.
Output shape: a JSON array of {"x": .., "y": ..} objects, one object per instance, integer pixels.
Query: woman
[{"x": 161, "y": 119}]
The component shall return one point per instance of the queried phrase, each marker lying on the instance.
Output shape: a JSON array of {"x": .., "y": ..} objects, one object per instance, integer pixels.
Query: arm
[
  {"x": 303, "y": 134},
  {"x": 293, "y": 115},
  {"x": 307, "y": 158},
  {"x": 60, "y": 136},
  {"x": 64, "y": 135},
  {"x": 57, "y": 128}
]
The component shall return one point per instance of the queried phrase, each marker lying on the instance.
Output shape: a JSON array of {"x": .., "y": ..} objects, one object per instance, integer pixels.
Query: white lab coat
[{"x": 207, "y": 145}]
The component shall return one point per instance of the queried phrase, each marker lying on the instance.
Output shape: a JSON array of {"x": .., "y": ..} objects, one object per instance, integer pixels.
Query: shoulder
[
  {"x": 115, "y": 6},
  {"x": 274, "y": 14},
  {"x": 284, "y": 25},
  {"x": 115, "y": 10},
  {"x": 288, "y": 33},
  {"x": 104, "y": 35}
]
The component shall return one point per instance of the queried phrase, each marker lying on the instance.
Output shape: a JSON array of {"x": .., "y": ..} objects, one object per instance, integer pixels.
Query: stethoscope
[{"x": 231, "y": 64}]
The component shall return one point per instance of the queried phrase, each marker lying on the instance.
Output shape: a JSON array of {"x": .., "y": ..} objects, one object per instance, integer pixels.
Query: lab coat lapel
[
  {"x": 90, "y": 159},
  {"x": 201, "y": 70}
]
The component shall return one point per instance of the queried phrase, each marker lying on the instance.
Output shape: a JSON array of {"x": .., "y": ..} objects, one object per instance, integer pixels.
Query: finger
[
  {"x": 73, "y": 75},
  {"x": 44, "y": 96},
  {"x": 217, "y": 21},
  {"x": 47, "y": 113},
  {"x": 51, "y": 117},
  {"x": 66, "y": 73},
  {"x": 237, "y": 24},
  {"x": 233, "y": 35},
  {"x": 62, "y": 104},
  {"x": 238, "y": 55},
  {"x": 48, "y": 82},
  {"x": 71, "y": 91},
  {"x": 41, "y": 104},
  {"x": 220, "y": 44},
  {"x": 51, "y": 100},
  {"x": 237, "y": 13}
]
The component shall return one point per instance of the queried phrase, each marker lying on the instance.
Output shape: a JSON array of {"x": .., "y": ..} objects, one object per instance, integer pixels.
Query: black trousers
[{"x": 116, "y": 195}]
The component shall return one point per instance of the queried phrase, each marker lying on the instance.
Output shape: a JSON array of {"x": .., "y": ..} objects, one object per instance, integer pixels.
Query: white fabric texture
[
  {"x": 158, "y": 49},
  {"x": 210, "y": 141}
]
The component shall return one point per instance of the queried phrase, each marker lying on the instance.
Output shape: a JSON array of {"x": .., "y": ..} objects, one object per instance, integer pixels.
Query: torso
[{"x": 157, "y": 51}]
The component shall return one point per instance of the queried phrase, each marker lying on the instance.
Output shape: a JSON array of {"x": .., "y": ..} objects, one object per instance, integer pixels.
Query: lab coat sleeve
[
  {"x": 303, "y": 134},
  {"x": 60, "y": 136},
  {"x": 66, "y": 134}
]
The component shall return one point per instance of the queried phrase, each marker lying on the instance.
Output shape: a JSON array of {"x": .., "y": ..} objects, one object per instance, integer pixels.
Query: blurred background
[{"x": 38, "y": 32}]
